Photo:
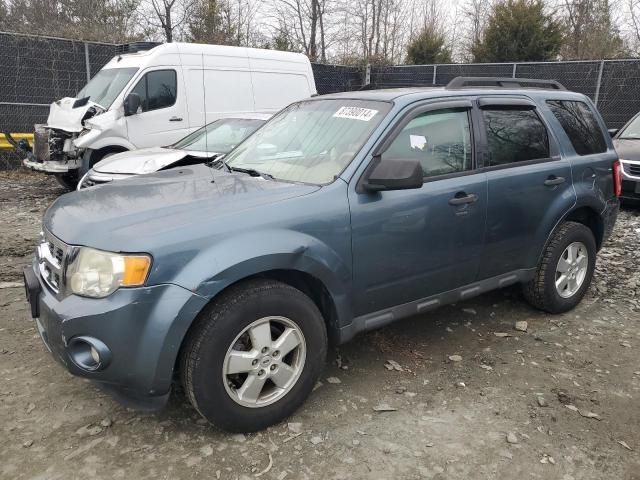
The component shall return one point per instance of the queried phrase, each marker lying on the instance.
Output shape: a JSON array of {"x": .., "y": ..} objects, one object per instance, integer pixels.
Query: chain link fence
[{"x": 35, "y": 71}]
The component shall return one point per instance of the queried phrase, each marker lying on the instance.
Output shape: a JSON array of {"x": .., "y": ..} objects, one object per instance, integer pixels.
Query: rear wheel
[
  {"x": 565, "y": 270},
  {"x": 254, "y": 355}
]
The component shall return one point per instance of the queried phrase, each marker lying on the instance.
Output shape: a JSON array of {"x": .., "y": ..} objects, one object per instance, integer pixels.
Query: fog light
[
  {"x": 89, "y": 354},
  {"x": 95, "y": 355}
]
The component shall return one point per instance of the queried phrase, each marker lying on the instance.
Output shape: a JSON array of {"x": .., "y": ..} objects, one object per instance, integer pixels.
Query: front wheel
[
  {"x": 565, "y": 270},
  {"x": 254, "y": 356},
  {"x": 69, "y": 180}
]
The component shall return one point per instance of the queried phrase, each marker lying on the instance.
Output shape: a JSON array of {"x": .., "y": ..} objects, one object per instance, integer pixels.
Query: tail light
[{"x": 617, "y": 178}]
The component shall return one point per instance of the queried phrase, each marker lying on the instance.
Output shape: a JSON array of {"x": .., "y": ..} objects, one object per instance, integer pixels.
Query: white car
[
  {"x": 148, "y": 96},
  {"x": 214, "y": 140}
]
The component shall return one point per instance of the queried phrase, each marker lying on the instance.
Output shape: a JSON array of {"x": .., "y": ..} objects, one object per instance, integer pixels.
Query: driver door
[
  {"x": 162, "y": 117},
  {"x": 411, "y": 244}
]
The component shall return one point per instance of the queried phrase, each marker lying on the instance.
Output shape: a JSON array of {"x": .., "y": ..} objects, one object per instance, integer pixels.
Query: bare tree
[
  {"x": 634, "y": 20},
  {"x": 169, "y": 15},
  {"x": 303, "y": 22},
  {"x": 590, "y": 29},
  {"x": 475, "y": 14}
]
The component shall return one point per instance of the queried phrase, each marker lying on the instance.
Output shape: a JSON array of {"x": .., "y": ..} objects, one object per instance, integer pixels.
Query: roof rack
[
  {"x": 498, "y": 82},
  {"x": 134, "y": 47}
]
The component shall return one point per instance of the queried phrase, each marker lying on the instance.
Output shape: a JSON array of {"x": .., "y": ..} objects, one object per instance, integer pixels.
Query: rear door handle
[
  {"x": 462, "y": 198},
  {"x": 175, "y": 119},
  {"x": 552, "y": 180}
]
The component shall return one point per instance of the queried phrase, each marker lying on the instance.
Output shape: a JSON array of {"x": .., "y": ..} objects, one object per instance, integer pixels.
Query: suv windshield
[
  {"x": 106, "y": 85},
  {"x": 310, "y": 141},
  {"x": 219, "y": 136},
  {"x": 632, "y": 132}
]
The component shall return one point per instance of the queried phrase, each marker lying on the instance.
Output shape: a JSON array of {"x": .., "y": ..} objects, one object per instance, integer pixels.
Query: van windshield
[
  {"x": 106, "y": 85},
  {"x": 310, "y": 141}
]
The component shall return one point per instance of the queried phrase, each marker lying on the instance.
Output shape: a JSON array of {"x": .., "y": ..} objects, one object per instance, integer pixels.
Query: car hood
[
  {"x": 63, "y": 116},
  {"x": 145, "y": 160},
  {"x": 627, "y": 149},
  {"x": 137, "y": 213}
]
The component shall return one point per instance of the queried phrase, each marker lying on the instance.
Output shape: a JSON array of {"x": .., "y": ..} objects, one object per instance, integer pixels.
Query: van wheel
[
  {"x": 565, "y": 270},
  {"x": 68, "y": 181},
  {"x": 254, "y": 355}
]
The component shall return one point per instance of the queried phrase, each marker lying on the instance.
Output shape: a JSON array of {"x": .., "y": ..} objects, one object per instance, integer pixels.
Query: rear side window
[
  {"x": 580, "y": 124},
  {"x": 157, "y": 89},
  {"x": 515, "y": 135}
]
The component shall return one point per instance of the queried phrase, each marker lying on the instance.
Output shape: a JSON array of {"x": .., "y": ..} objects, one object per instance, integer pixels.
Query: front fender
[
  {"x": 252, "y": 253},
  {"x": 96, "y": 141}
]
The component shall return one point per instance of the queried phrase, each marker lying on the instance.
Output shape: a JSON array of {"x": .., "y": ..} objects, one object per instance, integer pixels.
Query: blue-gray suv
[{"x": 341, "y": 214}]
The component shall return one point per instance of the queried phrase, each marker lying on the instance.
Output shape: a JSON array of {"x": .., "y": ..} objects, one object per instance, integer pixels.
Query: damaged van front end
[
  {"x": 78, "y": 126},
  {"x": 54, "y": 144}
]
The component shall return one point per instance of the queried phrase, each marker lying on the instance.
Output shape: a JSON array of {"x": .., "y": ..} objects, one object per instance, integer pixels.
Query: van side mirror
[
  {"x": 131, "y": 104},
  {"x": 613, "y": 132},
  {"x": 394, "y": 175}
]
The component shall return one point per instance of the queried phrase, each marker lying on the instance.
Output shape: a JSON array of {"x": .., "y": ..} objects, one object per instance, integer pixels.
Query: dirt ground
[{"x": 474, "y": 398}]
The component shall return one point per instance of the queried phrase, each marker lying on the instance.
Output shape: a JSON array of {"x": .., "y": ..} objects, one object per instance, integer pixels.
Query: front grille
[
  {"x": 51, "y": 256},
  {"x": 632, "y": 169},
  {"x": 41, "y": 143}
]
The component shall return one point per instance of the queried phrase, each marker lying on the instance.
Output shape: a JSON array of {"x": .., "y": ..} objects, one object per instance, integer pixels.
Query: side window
[
  {"x": 157, "y": 89},
  {"x": 581, "y": 126},
  {"x": 440, "y": 140},
  {"x": 515, "y": 135}
]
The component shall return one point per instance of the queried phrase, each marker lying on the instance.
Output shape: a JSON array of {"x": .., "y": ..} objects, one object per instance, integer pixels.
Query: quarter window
[
  {"x": 515, "y": 135},
  {"x": 580, "y": 124},
  {"x": 157, "y": 89},
  {"x": 440, "y": 140}
]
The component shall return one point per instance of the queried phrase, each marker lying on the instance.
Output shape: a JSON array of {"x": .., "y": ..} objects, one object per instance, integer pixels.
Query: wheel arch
[{"x": 310, "y": 285}]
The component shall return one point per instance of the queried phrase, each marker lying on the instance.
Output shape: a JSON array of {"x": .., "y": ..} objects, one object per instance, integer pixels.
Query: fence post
[
  {"x": 367, "y": 75},
  {"x": 513, "y": 74},
  {"x": 597, "y": 96},
  {"x": 86, "y": 60},
  {"x": 435, "y": 69}
]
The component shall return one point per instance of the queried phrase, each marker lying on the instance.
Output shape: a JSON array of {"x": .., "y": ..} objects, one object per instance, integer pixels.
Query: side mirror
[
  {"x": 613, "y": 132},
  {"x": 394, "y": 175},
  {"x": 131, "y": 104}
]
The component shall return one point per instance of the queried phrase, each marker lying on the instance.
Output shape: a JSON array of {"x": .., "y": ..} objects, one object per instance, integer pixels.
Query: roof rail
[
  {"x": 499, "y": 82},
  {"x": 134, "y": 47}
]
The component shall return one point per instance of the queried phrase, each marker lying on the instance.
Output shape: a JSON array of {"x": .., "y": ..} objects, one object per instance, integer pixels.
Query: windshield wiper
[
  {"x": 218, "y": 160},
  {"x": 252, "y": 172}
]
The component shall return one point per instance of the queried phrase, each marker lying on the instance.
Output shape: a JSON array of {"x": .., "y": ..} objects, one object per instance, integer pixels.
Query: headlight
[{"x": 94, "y": 273}]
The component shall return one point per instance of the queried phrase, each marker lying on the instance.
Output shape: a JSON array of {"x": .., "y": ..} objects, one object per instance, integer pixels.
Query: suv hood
[
  {"x": 137, "y": 213},
  {"x": 63, "y": 116},
  {"x": 627, "y": 149},
  {"x": 145, "y": 160}
]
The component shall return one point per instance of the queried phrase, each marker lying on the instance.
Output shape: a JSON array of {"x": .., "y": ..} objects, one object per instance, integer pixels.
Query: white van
[{"x": 154, "y": 97}]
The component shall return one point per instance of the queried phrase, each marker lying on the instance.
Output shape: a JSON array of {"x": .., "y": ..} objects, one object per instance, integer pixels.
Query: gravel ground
[{"x": 457, "y": 393}]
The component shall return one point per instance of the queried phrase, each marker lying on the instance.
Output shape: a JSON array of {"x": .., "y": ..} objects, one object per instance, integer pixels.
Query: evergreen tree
[{"x": 519, "y": 31}]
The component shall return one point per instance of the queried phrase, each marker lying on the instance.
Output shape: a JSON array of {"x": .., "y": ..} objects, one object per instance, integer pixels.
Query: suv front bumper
[{"x": 142, "y": 329}]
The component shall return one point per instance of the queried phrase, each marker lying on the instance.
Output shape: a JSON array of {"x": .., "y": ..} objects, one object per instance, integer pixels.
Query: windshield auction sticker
[{"x": 356, "y": 113}]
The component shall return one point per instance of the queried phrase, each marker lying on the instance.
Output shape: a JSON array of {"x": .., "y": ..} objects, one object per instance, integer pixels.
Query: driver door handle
[
  {"x": 462, "y": 198},
  {"x": 175, "y": 119},
  {"x": 552, "y": 180}
]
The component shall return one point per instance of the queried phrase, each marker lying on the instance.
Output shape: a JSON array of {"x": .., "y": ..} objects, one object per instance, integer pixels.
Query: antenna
[{"x": 204, "y": 104}]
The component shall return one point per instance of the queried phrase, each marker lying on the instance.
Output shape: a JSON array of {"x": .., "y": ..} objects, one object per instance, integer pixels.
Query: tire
[
  {"x": 542, "y": 292},
  {"x": 68, "y": 181},
  {"x": 217, "y": 336},
  {"x": 90, "y": 158}
]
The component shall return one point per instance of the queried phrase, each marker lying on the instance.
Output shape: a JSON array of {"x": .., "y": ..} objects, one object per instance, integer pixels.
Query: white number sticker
[{"x": 355, "y": 113}]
